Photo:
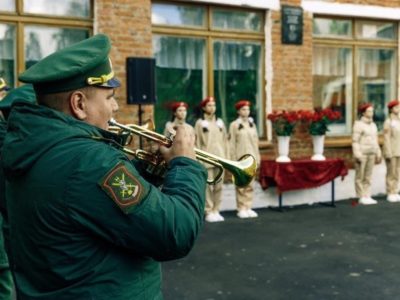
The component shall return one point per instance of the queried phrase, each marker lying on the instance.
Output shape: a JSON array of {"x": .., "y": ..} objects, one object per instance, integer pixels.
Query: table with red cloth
[{"x": 301, "y": 174}]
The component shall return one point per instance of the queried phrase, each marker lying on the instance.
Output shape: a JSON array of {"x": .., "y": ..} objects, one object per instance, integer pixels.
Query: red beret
[
  {"x": 206, "y": 100},
  {"x": 393, "y": 103},
  {"x": 176, "y": 105},
  {"x": 242, "y": 103},
  {"x": 363, "y": 107}
]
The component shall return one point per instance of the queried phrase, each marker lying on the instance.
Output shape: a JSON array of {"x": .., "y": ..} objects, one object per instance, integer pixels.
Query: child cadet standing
[
  {"x": 179, "y": 111},
  {"x": 391, "y": 150},
  {"x": 85, "y": 224},
  {"x": 243, "y": 139},
  {"x": 20, "y": 94},
  {"x": 211, "y": 136},
  {"x": 366, "y": 152}
]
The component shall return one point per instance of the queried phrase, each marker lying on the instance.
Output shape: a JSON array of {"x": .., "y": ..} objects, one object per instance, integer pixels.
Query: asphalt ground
[{"x": 307, "y": 252}]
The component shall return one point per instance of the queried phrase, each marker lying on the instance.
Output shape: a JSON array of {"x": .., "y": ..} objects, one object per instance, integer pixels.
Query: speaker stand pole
[{"x": 140, "y": 124}]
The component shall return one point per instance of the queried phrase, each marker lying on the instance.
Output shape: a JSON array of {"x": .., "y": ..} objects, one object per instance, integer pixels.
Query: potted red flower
[
  {"x": 283, "y": 123},
  {"x": 321, "y": 118},
  {"x": 319, "y": 121}
]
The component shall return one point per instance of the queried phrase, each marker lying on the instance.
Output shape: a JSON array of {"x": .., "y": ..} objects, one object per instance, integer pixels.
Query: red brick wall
[
  {"x": 292, "y": 80},
  {"x": 128, "y": 23}
]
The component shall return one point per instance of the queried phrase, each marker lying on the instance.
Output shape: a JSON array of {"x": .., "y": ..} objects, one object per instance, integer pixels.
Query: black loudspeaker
[{"x": 140, "y": 76}]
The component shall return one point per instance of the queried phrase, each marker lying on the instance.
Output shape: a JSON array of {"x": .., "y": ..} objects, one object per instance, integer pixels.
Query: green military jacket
[
  {"x": 3, "y": 256},
  {"x": 3, "y": 129},
  {"x": 84, "y": 224}
]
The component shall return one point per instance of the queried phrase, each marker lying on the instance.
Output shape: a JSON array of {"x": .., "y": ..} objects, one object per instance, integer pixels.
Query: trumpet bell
[{"x": 243, "y": 171}]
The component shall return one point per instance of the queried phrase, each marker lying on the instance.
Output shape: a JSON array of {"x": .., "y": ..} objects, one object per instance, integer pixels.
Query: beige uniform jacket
[
  {"x": 243, "y": 139},
  {"x": 211, "y": 136},
  {"x": 365, "y": 139},
  {"x": 169, "y": 127},
  {"x": 391, "y": 137}
]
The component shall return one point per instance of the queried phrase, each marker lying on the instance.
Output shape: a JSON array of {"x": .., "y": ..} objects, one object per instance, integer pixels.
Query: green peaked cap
[
  {"x": 83, "y": 64},
  {"x": 22, "y": 93}
]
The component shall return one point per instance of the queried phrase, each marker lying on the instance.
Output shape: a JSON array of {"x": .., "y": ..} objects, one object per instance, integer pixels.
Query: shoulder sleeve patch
[{"x": 122, "y": 187}]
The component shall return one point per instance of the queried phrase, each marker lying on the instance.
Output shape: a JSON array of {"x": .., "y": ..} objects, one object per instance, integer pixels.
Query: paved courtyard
[{"x": 307, "y": 252}]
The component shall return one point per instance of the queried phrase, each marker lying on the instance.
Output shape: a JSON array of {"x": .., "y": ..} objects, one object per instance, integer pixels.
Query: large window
[
  {"x": 66, "y": 8},
  {"x": 38, "y": 28},
  {"x": 41, "y": 41},
  {"x": 207, "y": 51},
  {"x": 8, "y": 52},
  {"x": 180, "y": 74},
  {"x": 237, "y": 75},
  {"x": 354, "y": 62}
]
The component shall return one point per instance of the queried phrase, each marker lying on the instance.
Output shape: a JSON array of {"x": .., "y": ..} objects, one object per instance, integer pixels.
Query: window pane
[
  {"x": 332, "y": 84},
  {"x": 180, "y": 75},
  {"x": 331, "y": 28},
  {"x": 41, "y": 41},
  {"x": 71, "y": 8},
  {"x": 177, "y": 15},
  {"x": 7, "y": 53},
  {"x": 376, "y": 73},
  {"x": 7, "y": 5},
  {"x": 376, "y": 30},
  {"x": 236, "y": 20},
  {"x": 237, "y": 75}
]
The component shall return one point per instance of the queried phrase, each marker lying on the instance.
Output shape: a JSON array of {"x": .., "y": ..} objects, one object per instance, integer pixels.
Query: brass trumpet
[{"x": 243, "y": 170}]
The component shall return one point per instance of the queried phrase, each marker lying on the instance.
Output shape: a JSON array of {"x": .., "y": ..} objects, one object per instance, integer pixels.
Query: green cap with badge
[
  {"x": 22, "y": 93},
  {"x": 83, "y": 64}
]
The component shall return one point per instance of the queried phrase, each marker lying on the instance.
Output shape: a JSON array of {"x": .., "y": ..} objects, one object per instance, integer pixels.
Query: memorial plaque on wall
[{"x": 292, "y": 25}]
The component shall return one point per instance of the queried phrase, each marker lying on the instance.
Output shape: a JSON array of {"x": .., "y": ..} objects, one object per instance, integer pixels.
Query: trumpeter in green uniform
[{"x": 85, "y": 224}]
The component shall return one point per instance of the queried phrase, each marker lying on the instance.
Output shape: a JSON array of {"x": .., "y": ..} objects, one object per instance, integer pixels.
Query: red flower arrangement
[
  {"x": 320, "y": 119},
  {"x": 283, "y": 122}
]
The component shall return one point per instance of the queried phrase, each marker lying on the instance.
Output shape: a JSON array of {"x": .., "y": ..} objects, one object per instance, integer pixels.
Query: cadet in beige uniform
[
  {"x": 179, "y": 110},
  {"x": 391, "y": 150},
  {"x": 366, "y": 153},
  {"x": 211, "y": 136},
  {"x": 243, "y": 139}
]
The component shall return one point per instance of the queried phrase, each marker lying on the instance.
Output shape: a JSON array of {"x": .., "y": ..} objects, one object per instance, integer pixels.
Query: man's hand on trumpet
[{"x": 183, "y": 145}]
